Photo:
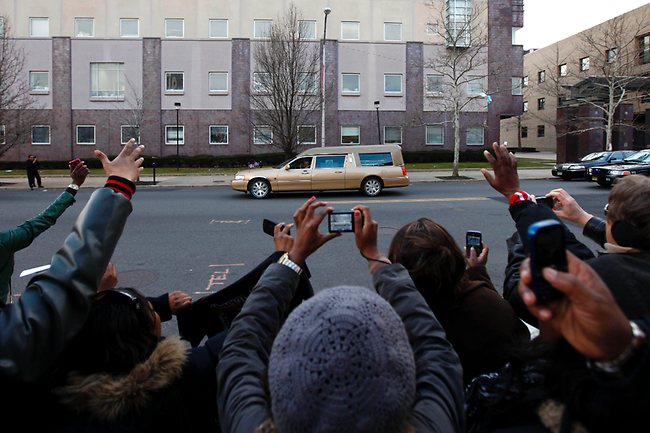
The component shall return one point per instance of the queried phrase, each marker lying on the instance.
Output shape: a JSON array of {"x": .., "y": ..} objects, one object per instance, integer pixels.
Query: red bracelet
[{"x": 519, "y": 196}]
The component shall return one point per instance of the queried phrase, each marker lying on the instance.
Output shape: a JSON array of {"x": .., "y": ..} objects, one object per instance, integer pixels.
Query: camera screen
[
  {"x": 341, "y": 222},
  {"x": 473, "y": 240}
]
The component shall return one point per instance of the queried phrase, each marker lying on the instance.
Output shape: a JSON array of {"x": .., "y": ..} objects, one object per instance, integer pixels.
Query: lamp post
[
  {"x": 177, "y": 105},
  {"x": 326, "y": 11},
  {"x": 378, "y": 127}
]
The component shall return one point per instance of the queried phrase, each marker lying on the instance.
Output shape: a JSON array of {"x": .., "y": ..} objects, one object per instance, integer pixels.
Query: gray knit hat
[{"x": 341, "y": 363}]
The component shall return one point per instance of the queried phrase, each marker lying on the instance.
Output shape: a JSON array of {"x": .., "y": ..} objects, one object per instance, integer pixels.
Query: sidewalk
[{"x": 209, "y": 180}]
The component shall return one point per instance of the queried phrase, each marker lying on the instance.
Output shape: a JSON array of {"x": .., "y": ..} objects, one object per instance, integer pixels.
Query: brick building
[{"x": 93, "y": 66}]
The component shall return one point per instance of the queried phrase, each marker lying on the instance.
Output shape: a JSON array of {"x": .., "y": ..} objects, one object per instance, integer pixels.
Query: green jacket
[{"x": 22, "y": 236}]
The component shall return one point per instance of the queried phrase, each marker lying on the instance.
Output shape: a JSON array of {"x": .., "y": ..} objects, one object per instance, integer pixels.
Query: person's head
[
  {"x": 30, "y": 156},
  {"x": 342, "y": 362},
  {"x": 432, "y": 257},
  {"x": 121, "y": 331},
  {"x": 628, "y": 213}
]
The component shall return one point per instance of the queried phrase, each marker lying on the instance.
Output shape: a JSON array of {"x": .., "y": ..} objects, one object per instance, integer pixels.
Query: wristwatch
[
  {"x": 74, "y": 186},
  {"x": 615, "y": 366},
  {"x": 286, "y": 261}
]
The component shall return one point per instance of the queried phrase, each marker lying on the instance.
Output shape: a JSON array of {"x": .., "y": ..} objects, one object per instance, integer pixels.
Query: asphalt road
[{"x": 201, "y": 239}]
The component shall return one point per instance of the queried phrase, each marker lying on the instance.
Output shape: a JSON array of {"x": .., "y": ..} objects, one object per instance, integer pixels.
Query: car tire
[
  {"x": 604, "y": 183},
  {"x": 259, "y": 188},
  {"x": 565, "y": 177},
  {"x": 371, "y": 186}
]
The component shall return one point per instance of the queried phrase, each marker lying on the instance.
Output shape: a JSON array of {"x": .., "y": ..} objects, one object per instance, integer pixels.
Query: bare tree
[
  {"x": 461, "y": 66},
  {"x": 18, "y": 109},
  {"x": 285, "y": 95},
  {"x": 131, "y": 111}
]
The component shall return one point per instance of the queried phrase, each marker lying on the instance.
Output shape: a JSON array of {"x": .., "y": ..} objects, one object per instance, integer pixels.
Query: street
[{"x": 200, "y": 239}]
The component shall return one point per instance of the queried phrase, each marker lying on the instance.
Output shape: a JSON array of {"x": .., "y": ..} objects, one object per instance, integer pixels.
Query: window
[
  {"x": 435, "y": 134},
  {"x": 84, "y": 27},
  {"x": 434, "y": 85},
  {"x": 218, "y": 28},
  {"x": 525, "y": 81},
  {"x": 262, "y": 29},
  {"x": 129, "y": 27},
  {"x": 611, "y": 55},
  {"x": 39, "y": 27},
  {"x": 107, "y": 80},
  {"x": 307, "y": 29},
  {"x": 541, "y": 76},
  {"x": 392, "y": 31},
  {"x": 218, "y": 134},
  {"x": 41, "y": 134},
  {"x": 393, "y": 84},
  {"x": 85, "y": 134},
  {"x": 308, "y": 82},
  {"x": 525, "y": 106},
  {"x": 330, "y": 161},
  {"x": 2, "y": 134},
  {"x": 218, "y": 82},
  {"x": 350, "y": 135},
  {"x": 379, "y": 159},
  {"x": 458, "y": 16},
  {"x": 562, "y": 70},
  {"x": 39, "y": 81},
  {"x": 431, "y": 29},
  {"x": 540, "y": 131},
  {"x": 517, "y": 90},
  {"x": 350, "y": 30},
  {"x": 262, "y": 135},
  {"x": 2, "y": 33},
  {"x": 392, "y": 135},
  {"x": 475, "y": 136},
  {"x": 350, "y": 84},
  {"x": 541, "y": 102},
  {"x": 172, "y": 134},
  {"x": 128, "y": 132},
  {"x": 306, "y": 134},
  {"x": 474, "y": 85},
  {"x": 261, "y": 82},
  {"x": 644, "y": 49},
  {"x": 524, "y": 132},
  {"x": 174, "y": 27},
  {"x": 584, "y": 64},
  {"x": 174, "y": 82}
]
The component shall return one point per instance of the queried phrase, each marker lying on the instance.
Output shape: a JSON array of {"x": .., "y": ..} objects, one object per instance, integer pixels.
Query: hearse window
[
  {"x": 330, "y": 161},
  {"x": 375, "y": 159},
  {"x": 301, "y": 163}
]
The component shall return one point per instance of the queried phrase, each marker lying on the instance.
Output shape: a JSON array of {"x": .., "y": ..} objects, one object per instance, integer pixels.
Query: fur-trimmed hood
[{"x": 107, "y": 397}]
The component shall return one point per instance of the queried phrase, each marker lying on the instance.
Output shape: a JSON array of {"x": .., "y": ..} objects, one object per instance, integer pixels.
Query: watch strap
[{"x": 286, "y": 261}]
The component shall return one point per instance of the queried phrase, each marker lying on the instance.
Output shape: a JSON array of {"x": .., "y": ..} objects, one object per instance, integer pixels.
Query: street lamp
[
  {"x": 326, "y": 11},
  {"x": 177, "y": 105},
  {"x": 378, "y": 127}
]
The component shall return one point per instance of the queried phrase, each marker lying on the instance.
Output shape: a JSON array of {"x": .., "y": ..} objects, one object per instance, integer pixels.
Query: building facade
[
  {"x": 180, "y": 74},
  {"x": 566, "y": 88}
]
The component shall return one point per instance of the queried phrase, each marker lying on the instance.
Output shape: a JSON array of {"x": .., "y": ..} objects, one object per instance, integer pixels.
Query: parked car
[
  {"x": 578, "y": 170},
  {"x": 637, "y": 163},
  {"x": 369, "y": 169}
]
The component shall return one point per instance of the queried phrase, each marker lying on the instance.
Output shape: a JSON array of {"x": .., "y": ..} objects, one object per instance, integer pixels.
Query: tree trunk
[
  {"x": 610, "y": 121},
  {"x": 456, "y": 139}
]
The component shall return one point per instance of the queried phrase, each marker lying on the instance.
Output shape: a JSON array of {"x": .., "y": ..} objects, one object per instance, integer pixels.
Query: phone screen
[
  {"x": 341, "y": 221},
  {"x": 473, "y": 238},
  {"x": 547, "y": 249},
  {"x": 546, "y": 201}
]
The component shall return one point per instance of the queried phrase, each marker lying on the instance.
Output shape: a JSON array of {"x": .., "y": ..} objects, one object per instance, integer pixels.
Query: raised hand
[
  {"x": 79, "y": 173},
  {"x": 566, "y": 207},
  {"x": 308, "y": 239},
  {"x": 128, "y": 164},
  {"x": 282, "y": 240},
  {"x": 504, "y": 164},
  {"x": 473, "y": 259}
]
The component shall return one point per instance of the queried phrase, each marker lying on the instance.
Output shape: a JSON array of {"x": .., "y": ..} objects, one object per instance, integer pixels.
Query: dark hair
[
  {"x": 432, "y": 257},
  {"x": 118, "y": 334},
  {"x": 629, "y": 201}
]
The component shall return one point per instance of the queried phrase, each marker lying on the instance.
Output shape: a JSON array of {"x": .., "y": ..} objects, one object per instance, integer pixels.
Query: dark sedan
[
  {"x": 578, "y": 170},
  {"x": 637, "y": 163}
]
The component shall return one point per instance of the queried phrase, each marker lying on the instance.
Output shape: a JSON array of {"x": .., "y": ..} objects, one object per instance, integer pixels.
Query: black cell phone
[
  {"x": 341, "y": 221},
  {"x": 547, "y": 249},
  {"x": 546, "y": 200},
  {"x": 474, "y": 239},
  {"x": 268, "y": 226}
]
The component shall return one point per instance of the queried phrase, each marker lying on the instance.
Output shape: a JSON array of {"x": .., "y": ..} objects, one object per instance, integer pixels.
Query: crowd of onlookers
[{"x": 432, "y": 347}]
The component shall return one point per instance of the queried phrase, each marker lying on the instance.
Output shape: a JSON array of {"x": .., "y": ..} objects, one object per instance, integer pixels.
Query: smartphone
[
  {"x": 341, "y": 221},
  {"x": 546, "y": 200},
  {"x": 74, "y": 163},
  {"x": 474, "y": 239},
  {"x": 268, "y": 226},
  {"x": 547, "y": 249}
]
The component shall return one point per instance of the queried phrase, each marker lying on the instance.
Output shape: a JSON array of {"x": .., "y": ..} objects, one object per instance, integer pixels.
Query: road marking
[
  {"x": 413, "y": 200},
  {"x": 218, "y": 278},
  {"x": 229, "y": 221}
]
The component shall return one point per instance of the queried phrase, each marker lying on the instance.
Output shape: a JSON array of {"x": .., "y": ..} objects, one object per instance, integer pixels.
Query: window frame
[
  {"x": 563, "y": 70},
  {"x": 84, "y": 143},
  {"x": 644, "y": 49},
  {"x": 393, "y": 92},
  {"x": 608, "y": 54},
  {"x": 49, "y": 136},
  {"x": 392, "y": 127},
  {"x": 358, "y": 30},
  {"x": 210, "y": 135},
  {"x": 524, "y": 132},
  {"x": 358, "y": 135},
  {"x": 171, "y": 20},
  {"x": 432, "y": 29},
  {"x": 215, "y": 20},
  {"x": 181, "y": 139},
  {"x": 315, "y": 36},
  {"x": 124, "y": 21},
  {"x": 442, "y": 135},
  {"x": 517, "y": 88},
  {"x": 42, "y": 91},
  {"x": 541, "y": 76},
  {"x": 427, "y": 91},
  {"x": 212, "y": 91},
  {"x": 312, "y": 85},
  {"x": 525, "y": 107},
  {"x": 524, "y": 81},
  {"x": 133, "y": 127},
  {"x": 301, "y": 127},
  {"x": 257, "y": 129},
  {"x": 119, "y": 94},
  {"x": 260, "y": 21},
  {"x": 472, "y": 88},
  {"x": 174, "y": 91},
  {"x": 467, "y": 135},
  {"x": 541, "y": 131},
  {"x": 541, "y": 104},
  {"x": 32, "y": 21},
  {"x": 258, "y": 85},
  {"x": 351, "y": 92},
  {"x": 392, "y": 23},
  {"x": 77, "y": 20},
  {"x": 3, "y": 134},
  {"x": 584, "y": 64}
]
